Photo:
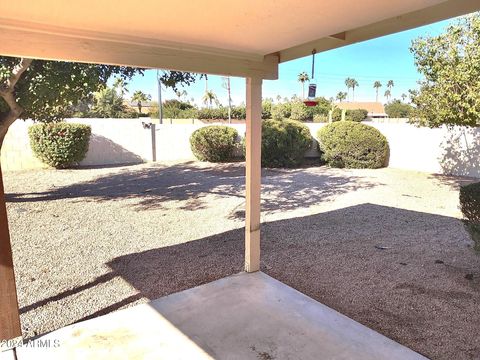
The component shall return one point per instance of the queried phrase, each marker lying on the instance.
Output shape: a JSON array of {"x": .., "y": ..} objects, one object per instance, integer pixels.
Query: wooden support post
[
  {"x": 253, "y": 174},
  {"x": 9, "y": 315}
]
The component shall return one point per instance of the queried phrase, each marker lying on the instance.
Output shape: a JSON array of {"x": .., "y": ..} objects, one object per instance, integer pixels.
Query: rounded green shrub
[
  {"x": 353, "y": 145},
  {"x": 356, "y": 115},
  {"x": 215, "y": 143},
  {"x": 61, "y": 144},
  {"x": 470, "y": 207},
  {"x": 284, "y": 143},
  {"x": 470, "y": 202}
]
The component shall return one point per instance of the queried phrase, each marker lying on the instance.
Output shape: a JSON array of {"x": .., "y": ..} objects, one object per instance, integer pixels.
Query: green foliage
[
  {"x": 320, "y": 118},
  {"x": 267, "y": 105},
  {"x": 300, "y": 112},
  {"x": 398, "y": 109},
  {"x": 239, "y": 112},
  {"x": 470, "y": 202},
  {"x": 284, "y": 143},
  {"x": 470, "y": 207},
  {"x": 107, "y": 103},
  {"x": 450, "y": 63},
  {"x": 140, "y": 97},
  {"x": 356, "y": 115},
  {"x": 214, "y": 143},
  {"x": 47, "y": 90},
  {"x": 61, "y": 144},
  {"x": 350, "y": 115},
  {"x": 281, "y": 111},
  {"x": 353, "y": 145}
]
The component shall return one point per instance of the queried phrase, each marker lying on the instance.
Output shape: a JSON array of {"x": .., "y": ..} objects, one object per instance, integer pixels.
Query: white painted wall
[{"x": 123, "y": 141}]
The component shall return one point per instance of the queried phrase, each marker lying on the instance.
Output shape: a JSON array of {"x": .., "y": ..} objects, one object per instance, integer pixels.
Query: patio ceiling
[{"x": 240, "y": 38}]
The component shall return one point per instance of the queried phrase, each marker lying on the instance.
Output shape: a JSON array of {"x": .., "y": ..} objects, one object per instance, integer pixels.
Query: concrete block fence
[{"x": 449, "y": 151}]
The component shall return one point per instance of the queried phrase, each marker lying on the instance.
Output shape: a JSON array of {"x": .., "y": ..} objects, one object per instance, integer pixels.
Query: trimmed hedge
[
  {"x": 350, "y": 115},
  {"x": 215, "y": 143},
  {"x": 353, "y": 145},
  {"x": 61, "y": 144},
  {"x": 470, "y": 207},
  {"x": 284, "y": 143},
  {"x": 470, "y": 202}
]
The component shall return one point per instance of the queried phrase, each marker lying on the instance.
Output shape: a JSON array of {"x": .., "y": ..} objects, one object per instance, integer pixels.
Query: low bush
[
  {"x": 281, "y": 111},
  {"x": 356, "y": 115},
  {"x": 284, "y": 143},
  {"x": 353, "y": 145},
  {"x": 470, "y": 207},
  {"x": 398, "y": 109},
  {"x": 470, "y": 202},
  {"x": 320, "y": 118},
  {"x": 214, "y": 143},
  {"x": 61, "y": 144}
]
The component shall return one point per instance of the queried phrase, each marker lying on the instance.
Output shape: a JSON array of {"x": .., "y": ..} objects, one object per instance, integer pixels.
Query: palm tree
[
  {"x": 388, "y": 94},
  {"x": 377, "y": 85},
  {"x": 139, "y": 97},
  {"x": 341, "y": 96},
  {"x": 303, "y": 78},
  {"x": 354, "y": 84},
  {"x": 404, "y": 97},
  {"x": 209, "y": 97},
  {"x": 119, "y": 85},
  {"x": 390, "y": 85},
  {"x": 226, "y": 86},
  {"x": 348, "y": 83}
]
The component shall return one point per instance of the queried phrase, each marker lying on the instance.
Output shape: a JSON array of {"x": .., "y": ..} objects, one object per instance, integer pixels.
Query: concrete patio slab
[{"x": 244, "y": 316}]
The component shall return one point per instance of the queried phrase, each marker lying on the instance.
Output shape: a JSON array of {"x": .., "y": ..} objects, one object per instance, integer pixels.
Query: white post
[{"x": 253, "y": 174}]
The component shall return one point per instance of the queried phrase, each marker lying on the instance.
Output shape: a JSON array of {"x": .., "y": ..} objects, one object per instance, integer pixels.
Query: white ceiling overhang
[{"x": 242, "y": 38}]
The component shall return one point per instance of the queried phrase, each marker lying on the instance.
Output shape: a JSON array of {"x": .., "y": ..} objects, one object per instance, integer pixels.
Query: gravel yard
[{"x": 385, "y": 247}]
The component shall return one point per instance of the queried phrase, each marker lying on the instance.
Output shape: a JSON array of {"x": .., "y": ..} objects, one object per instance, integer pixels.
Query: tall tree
[
  {"x": 348, "y": 84},
  {"x": 120, "y": 85},
  {"x": 404, "y": 97},
  {"x": 353, "y": 85},
  {"x": 140, "y": 97},
  {"x": 46, "y": 90},
  {"x": 226, "y": 86},
  {"x": 377, "y": 85},
  {"x": 450, "y": 64},
  {"x": 341, "y": 96},
  {"x": 303, "y": 78},
  {"x": 388, "y": 94},
  {"x": 390, "y": 86},
  {"x": 209, "y": 97}
]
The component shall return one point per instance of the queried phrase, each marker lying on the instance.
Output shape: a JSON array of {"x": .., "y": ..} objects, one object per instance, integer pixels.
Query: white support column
[{"x": 253, "y": 174}]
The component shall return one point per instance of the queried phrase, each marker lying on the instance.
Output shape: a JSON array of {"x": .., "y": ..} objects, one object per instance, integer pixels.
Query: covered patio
[{"x": 249, "y": 315}]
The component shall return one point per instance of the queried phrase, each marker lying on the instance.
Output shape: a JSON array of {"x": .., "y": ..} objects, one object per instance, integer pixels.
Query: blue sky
[{"x": 383, "y": 59}]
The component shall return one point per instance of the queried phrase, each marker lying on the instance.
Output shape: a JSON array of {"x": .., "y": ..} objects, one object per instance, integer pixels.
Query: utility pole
[{"x": 160, "y": 110}]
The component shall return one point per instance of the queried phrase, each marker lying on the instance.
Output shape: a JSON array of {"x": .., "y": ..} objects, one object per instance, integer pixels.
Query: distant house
[{"x": 375, "y": 109}]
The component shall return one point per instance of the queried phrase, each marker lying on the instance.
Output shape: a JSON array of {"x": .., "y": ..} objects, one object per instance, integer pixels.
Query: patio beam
[
  {"x": 442, "y": 11},
  {"x": 253, "y": 175},
  {"x": 32, "y": 40},
  {"x": 9, "y": 315}
]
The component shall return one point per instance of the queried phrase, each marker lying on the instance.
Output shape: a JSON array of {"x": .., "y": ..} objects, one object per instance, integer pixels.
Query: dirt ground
[{"x": 384, "y": 247}]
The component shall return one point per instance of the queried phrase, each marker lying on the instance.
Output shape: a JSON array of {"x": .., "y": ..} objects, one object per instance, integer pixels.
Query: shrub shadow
[{"x": 192, "y": 182}]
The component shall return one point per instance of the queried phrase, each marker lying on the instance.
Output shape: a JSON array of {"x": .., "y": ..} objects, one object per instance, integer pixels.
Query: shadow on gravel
[
  {"x": 390, "y": 269},
  {"x": 282, "y": 189},
  {"x": 402, "y": 273}
]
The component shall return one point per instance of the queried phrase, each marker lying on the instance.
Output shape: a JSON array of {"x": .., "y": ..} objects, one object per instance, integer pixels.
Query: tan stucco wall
[{"x": 121, "y": 141}]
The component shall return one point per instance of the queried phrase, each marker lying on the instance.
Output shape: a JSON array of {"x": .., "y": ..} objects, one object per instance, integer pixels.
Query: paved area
[
  {"x": 243, "y": 316},
  {"x": 384, "y": 247}
]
